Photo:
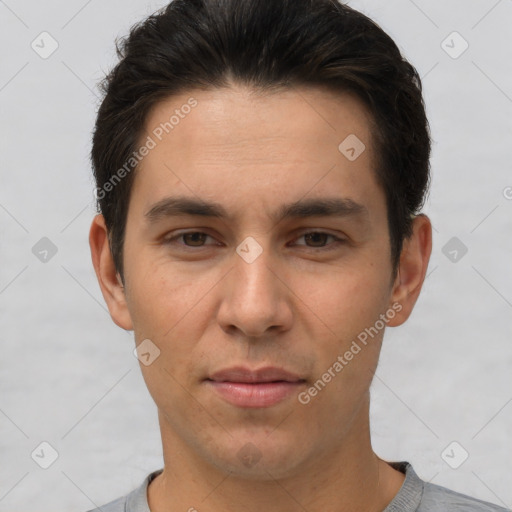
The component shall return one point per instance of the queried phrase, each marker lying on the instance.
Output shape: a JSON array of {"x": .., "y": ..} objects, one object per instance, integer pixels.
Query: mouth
[{"x": 248, "y": 388}]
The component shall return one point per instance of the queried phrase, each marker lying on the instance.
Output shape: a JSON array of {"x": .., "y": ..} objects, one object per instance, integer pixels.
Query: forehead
[
  {"x": 246, "y": 144},
  {"x": 240, "y": 114}
]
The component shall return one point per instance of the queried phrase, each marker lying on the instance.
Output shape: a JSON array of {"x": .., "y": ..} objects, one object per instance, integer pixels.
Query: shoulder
[
  {"x": 135, "y": 501},
  {"x": 416, "y": 495},
  {"x": 437, "y": 498},
  {"x": 118, "y": 505}
]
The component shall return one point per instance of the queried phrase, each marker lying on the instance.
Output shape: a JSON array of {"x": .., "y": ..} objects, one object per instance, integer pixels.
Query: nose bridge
[
  {"x": 253, "y": 279},
  {"x": 254, "y": 299}
]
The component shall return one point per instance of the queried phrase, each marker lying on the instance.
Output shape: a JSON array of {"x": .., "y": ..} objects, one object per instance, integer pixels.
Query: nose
[{"x": 255, "y": 299}]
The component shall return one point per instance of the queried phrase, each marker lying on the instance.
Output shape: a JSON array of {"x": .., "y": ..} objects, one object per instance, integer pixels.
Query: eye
[
  {"x": 191, "y": 239},
  {"x": 318, "y": 238},
  {"x": 314, "y": 240}
]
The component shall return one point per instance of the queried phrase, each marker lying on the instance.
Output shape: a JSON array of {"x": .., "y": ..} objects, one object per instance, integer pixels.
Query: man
[{"x": 260, "y": 169}]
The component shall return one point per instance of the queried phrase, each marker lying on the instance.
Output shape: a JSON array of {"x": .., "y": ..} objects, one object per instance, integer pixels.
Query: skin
[{"x": 296, "y": 306}]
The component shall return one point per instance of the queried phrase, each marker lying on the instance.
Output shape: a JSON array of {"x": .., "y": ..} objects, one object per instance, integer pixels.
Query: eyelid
[
  {"x": 337, "y": 239},
  {"x": 307, "y": 231},
  {"x": 179, "y": 234}
]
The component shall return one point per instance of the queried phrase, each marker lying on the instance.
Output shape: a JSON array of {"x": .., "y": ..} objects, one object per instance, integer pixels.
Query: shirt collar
[{"x": 407, "y": 499}]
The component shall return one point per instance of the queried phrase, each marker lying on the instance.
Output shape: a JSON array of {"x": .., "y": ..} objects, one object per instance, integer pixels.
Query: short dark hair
[{"x": 267, "y": 45}]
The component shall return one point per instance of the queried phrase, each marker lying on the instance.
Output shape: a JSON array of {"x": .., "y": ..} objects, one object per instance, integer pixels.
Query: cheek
[
  {"x": 173, "y": 308},
  {"x": 344, "y": 298},
  {"x": 165, "y": 297},
  {"x": 166, "y": 308},
  {"x": 343, "y": 307}
]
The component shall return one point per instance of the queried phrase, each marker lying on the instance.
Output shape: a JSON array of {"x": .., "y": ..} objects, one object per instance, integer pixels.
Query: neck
[{"x": 348, "y": 476}]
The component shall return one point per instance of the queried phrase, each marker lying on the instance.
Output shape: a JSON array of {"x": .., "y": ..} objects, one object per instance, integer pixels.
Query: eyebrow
[{"x": 315, "y": 207}]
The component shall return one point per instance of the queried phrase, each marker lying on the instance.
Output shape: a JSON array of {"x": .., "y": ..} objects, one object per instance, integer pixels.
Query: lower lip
[{"x": 263, "y": 394}]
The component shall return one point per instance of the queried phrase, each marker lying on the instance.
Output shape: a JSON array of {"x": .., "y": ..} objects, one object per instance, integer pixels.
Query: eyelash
[{"x": 329, "y": 247}]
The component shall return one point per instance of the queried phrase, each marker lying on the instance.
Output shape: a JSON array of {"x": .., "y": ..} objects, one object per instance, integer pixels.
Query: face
[{"x": 285, "y": 264}]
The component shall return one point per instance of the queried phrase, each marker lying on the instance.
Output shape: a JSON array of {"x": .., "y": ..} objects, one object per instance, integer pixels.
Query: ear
[
  {"x": 412, "y": 268},
  {"x": 108, "y": 278}
]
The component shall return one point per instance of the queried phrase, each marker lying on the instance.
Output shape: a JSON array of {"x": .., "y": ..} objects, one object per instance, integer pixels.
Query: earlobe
[
  {"x": 412, "y": 269},
  {"x": 108, "y": 278}
]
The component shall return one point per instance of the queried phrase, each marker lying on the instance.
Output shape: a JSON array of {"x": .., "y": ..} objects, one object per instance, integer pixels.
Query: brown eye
[
  {"x": 318, "y": 239},
  {"x": 196, "y": 238},
  {"x": 189, "y": 239}
]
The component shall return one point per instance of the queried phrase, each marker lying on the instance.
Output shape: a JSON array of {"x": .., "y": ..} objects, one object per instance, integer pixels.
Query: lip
[
  {"x": 266, "y": 374},
  {"x": 264, "y": 387}
]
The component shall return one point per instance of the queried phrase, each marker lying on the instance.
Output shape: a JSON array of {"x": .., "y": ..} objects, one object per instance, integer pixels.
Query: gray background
[{"x": 68, "y": 374}]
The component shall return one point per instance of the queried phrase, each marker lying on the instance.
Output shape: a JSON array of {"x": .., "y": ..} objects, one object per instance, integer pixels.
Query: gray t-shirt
[{"x": 415, "y": 495}]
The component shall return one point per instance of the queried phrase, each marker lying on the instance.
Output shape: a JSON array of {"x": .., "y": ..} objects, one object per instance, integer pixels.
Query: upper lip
[{"x": 242, "y": 374}]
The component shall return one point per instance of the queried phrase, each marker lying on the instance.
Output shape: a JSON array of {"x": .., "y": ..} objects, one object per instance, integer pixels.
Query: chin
[{"x": 260, "y": 457}]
